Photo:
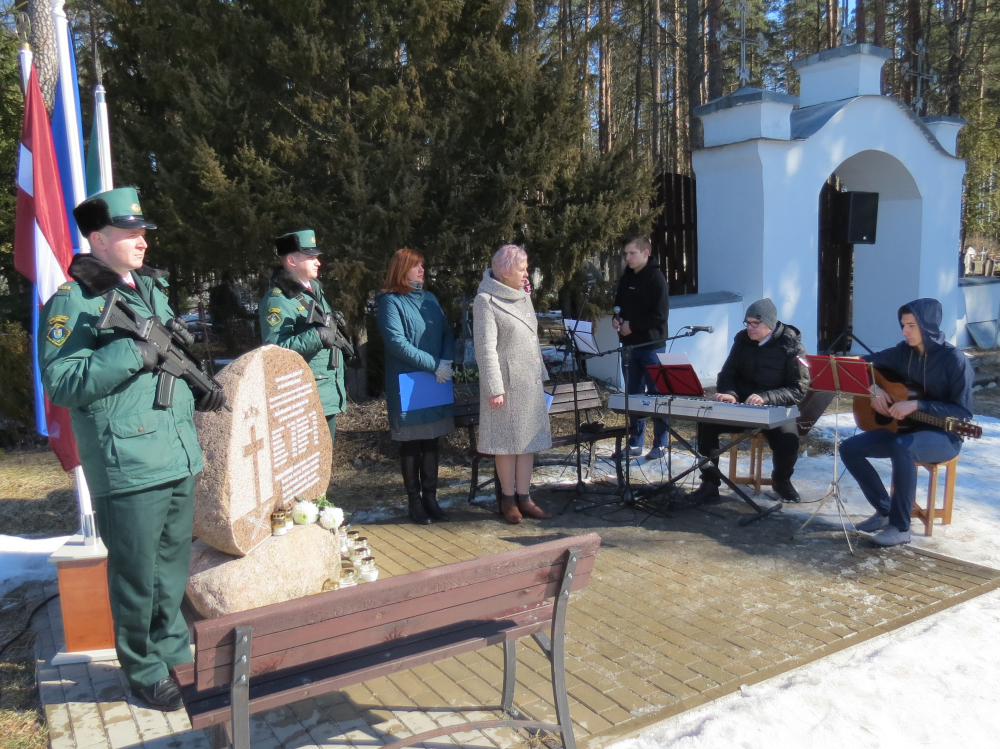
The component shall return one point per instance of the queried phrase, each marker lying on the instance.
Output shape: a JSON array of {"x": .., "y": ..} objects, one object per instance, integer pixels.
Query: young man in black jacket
[
  {"x": 762, "y": 370},
  {"x": 923, "y": 357},
  {"x": 644, "y": 303}
]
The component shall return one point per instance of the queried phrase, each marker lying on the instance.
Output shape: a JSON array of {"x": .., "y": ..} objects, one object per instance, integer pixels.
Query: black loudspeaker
[{"x": 856, "y": 217}]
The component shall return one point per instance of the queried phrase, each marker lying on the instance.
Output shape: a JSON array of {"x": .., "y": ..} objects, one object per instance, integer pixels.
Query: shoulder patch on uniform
[
  {"x": 275, "y": 317},
  {"x": 58, "y": 332},
  {"x": 275, "y": 292}
]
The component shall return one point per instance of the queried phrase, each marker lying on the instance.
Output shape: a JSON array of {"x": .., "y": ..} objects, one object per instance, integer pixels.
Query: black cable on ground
[{"x": 27, "y": 625}]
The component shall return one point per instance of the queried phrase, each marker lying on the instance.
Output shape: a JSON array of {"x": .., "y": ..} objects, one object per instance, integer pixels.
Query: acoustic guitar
[{"x": 868, "y": 418}]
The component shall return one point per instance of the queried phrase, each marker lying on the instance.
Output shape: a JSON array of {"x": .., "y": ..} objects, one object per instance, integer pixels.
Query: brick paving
[{"x": 679, "y": 611}]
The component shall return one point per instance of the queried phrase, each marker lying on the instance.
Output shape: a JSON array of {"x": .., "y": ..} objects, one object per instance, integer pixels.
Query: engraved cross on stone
[
  {"x": 920, "y": 74},
  {"x": 255, "y": 448},
  {"x": 743, "y": 40}
]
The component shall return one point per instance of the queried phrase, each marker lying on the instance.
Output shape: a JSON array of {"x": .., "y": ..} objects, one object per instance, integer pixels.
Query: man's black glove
[
  {"x": 326, "y": 336},
  {"x": 151, "y": 357},
  {"x": 212, "y": 401},
  {"x": 176, "y": 326}
]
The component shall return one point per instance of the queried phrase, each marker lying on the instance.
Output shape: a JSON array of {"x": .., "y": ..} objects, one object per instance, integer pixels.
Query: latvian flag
[{"x": 42, "y": 246}]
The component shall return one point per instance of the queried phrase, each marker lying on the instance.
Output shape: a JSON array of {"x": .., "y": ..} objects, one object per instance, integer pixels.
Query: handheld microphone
[
  {"x": 701, "y": 328},
  {"x": 617, "y": 314}
]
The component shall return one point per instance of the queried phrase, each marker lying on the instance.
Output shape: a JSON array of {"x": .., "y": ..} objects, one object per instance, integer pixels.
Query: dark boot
[
  {"x": 508, "y": 508},
  {"x": 411, "y": 480},
  {"x": 529, "y": 509},
  {"x": 707, "y": 492},
  {"x": 784, "y": 489},
  {"x": 429, "y": 484}
]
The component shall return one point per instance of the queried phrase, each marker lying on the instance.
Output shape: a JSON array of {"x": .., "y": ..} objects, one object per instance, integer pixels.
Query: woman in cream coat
[{"x": 513, "y": 419}]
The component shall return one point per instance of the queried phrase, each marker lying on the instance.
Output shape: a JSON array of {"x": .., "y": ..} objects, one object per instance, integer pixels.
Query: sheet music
[
  {"x": 583, "y": 331},
  {"x": 680, "y": 358}
]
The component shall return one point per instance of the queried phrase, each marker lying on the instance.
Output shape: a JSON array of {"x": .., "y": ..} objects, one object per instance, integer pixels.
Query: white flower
[
  {"x": 331, "y": 517},
  {"x": 304, "y": 513}
]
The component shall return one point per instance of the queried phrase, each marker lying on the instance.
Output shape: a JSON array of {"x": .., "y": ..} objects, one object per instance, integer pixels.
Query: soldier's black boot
[
  {"x": 429, "y": 481},
  {"x": 411, "y": 480}
]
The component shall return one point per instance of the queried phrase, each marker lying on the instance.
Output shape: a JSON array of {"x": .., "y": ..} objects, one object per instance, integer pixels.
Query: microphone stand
[{"x": 576, "y": 356}]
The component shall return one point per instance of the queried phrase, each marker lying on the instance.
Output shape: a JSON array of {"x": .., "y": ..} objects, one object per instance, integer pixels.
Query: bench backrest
[
  {"x": 426, "y": 603},
  {"x": 467, "y": 404}
]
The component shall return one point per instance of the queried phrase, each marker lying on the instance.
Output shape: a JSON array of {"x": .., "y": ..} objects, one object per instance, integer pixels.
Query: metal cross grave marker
[
  {"x": 921, "y": 73},
  {"x": 743, "y": 40}
]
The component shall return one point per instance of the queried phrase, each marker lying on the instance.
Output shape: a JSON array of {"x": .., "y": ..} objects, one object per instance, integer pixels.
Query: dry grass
[
  {"x": 22, "y": 725},
  {"x": 36, "y": 495}
]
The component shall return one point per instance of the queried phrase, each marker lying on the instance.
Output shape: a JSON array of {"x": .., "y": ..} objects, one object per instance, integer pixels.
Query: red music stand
[
  {"x": 675, "y": 379},
  {"x": 838, "y": 374}
]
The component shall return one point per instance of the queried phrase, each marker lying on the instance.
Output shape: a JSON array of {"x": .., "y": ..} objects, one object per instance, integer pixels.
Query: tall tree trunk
[
  {"x": 656, "y": 41},
  {"x": 586, "y": 61},
  {"x": 693, "y": 66},
  {"x": 679, "y": 106},
  {"x": 715, "y": 87},
  {"x": 914, "y": 33},
  {"x": 861, "y": 23},
  {"x": 43, "y": 47},
  {"x": 604, "y": 125},
  {"x": 637, "y": 104},
  {"x": 879, "y": 31}
]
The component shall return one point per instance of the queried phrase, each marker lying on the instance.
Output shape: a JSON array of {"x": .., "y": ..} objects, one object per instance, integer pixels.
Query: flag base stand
[{"x": 82, "y": 571}]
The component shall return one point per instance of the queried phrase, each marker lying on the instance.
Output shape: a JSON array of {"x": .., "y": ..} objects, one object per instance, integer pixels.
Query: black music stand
[
  {"x": 838, "y": 374},
  {"x": 680, "y": 380}
]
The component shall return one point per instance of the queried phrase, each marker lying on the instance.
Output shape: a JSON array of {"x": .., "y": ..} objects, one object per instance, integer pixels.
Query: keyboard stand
[{"x": 645, "y": 498}]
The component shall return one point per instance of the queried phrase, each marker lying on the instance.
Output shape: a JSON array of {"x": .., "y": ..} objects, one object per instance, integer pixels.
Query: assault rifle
[
  {"x": 177, "y": 359},
  {"x": 336, "y": 322}
]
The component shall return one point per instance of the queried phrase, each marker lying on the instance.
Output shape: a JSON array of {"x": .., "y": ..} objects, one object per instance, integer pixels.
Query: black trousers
[{"x": 783, "y": 441}]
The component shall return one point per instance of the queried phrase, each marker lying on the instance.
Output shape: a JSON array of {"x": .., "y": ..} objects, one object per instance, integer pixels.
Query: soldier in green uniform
[
  {"x": 140, "y": 460},
  {"x": 283, "y": 313}
]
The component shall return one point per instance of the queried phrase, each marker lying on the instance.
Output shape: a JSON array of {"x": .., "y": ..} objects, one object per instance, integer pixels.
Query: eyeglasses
[{"x": 752, "y": 324}]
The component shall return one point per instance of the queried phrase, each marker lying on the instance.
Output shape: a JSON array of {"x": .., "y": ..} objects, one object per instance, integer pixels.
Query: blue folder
[{"x": 422, "y": 390}]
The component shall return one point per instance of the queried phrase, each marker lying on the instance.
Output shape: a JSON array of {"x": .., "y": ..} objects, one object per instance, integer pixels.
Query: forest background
[{"x": 450, "y": 126}]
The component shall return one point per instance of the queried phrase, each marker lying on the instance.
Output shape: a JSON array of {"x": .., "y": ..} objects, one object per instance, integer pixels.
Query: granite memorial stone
[{"x": 272, "y": 448}]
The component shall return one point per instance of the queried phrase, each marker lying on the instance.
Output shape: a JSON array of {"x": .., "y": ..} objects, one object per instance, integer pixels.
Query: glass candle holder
[
  {"x": 289, "y": 523},
  {"x": 345, "y": 543},
  {"x": 331, "y": 584},
  {"x": 348, "y": 578},
  {"x": 362, "y": 541},
  {"x": 360, "y": 552},
  {"x": 369, "y": 571},
  {"x": 278, "y": 527}
]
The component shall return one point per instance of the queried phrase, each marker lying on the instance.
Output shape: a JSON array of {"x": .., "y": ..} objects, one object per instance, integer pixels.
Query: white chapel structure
[{"x": 766, "y": 159}]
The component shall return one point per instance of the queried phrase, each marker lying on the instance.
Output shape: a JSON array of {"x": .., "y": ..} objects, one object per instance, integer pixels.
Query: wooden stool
[
  {"x": 756, "y": 462},
  {"x": 931, "y": 513}
]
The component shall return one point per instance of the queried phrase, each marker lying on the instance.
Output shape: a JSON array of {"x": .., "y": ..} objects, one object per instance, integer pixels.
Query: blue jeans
[
  {"x": 638, "y": 381},
  {"x": 905, "y": 451}
]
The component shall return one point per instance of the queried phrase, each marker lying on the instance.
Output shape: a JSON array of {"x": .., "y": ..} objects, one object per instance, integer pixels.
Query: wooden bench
[
  {"x": 267, "y": 657},
  {"x": 588, "y": 400}
]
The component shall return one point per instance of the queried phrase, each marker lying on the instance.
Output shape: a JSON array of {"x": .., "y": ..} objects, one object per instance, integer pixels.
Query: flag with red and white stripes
[{"x": 42, "y": 245}]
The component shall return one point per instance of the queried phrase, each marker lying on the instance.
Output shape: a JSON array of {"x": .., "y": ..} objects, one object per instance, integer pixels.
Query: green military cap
[
  {"x": 303, "y": 241},
  {"x": 119, "y": 207}
]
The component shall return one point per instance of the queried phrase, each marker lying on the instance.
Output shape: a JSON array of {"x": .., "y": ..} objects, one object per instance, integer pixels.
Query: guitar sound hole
[{"x": 882, "y": 420}]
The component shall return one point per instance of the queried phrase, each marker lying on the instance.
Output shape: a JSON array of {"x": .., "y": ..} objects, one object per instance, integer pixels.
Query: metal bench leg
[
  {"x": 218, "y": 737},
  {"x": 509, "y": 677},
  {"x": 558, "y": 652},
  {"x": 240, "y": 689}
]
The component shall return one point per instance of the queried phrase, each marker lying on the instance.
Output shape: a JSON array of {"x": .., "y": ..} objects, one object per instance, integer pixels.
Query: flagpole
[{"x": 88, "y": 526}]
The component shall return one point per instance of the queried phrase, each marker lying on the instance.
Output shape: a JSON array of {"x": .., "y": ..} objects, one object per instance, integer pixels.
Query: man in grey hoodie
[{"x": 924, "y": 358}]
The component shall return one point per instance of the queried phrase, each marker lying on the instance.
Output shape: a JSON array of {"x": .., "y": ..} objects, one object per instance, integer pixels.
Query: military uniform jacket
[
  {"x": 125, "y": 443},
  {"x": 283, "y": 323}
]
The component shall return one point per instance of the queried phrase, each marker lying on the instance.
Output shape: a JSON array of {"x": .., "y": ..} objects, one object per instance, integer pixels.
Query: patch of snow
[{"x": 24, "y": 559}]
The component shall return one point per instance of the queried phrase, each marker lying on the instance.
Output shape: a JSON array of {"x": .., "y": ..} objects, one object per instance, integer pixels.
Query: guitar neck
[{"x": 934, "y": 421}]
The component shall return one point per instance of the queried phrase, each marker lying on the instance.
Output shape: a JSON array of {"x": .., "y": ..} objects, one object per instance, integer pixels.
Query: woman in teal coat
[{"x": 418, "y": 338}]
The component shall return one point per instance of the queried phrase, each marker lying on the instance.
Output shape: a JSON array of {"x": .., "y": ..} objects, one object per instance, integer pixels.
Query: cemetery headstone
[{"x": 272, "y": 448}]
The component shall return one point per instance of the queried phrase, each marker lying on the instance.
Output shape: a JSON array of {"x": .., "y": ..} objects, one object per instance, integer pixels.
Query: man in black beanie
[{"x": 762, "y": 370}]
